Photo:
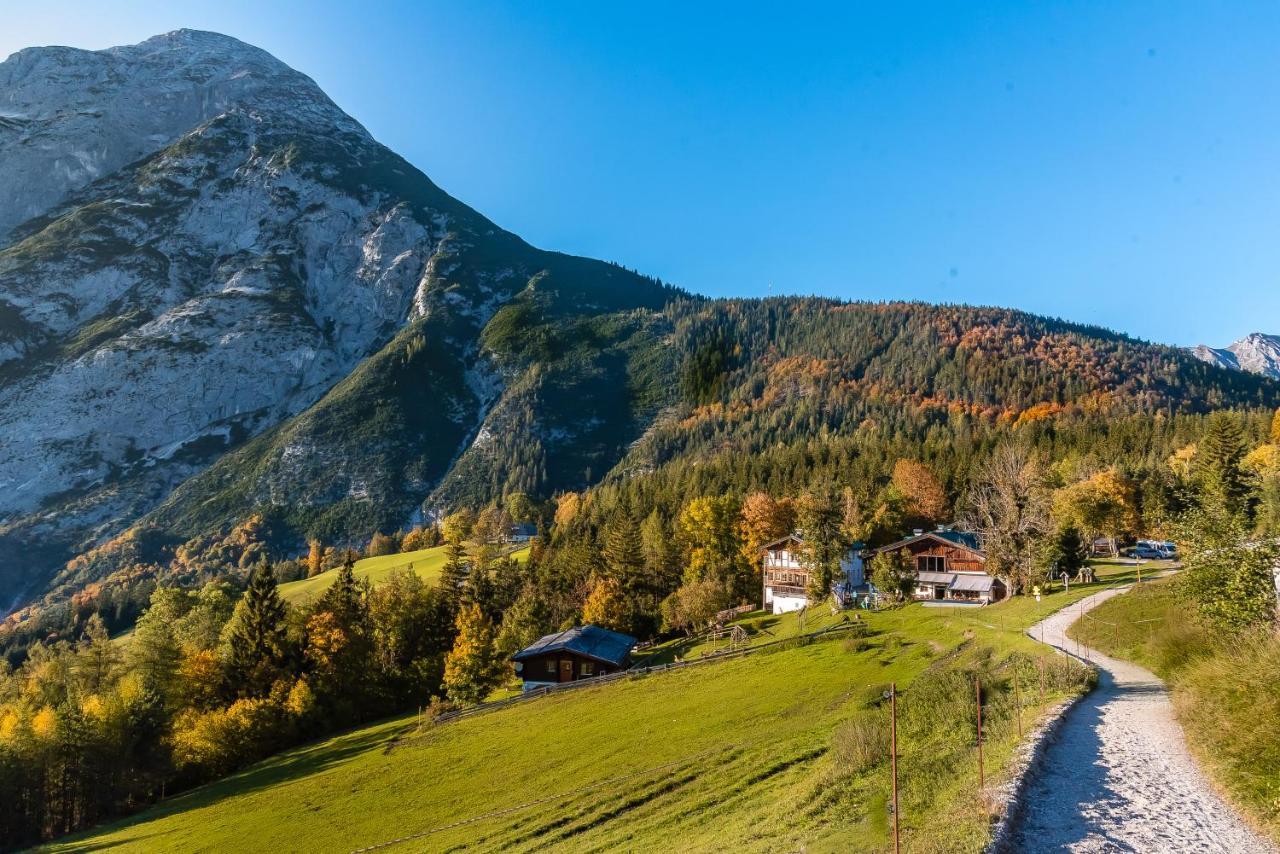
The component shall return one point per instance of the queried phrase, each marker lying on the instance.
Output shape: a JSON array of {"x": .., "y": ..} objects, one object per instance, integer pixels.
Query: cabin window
[
  {"x": 931, "y": 563},
  {"x": 587, "y": 668},
  {"x": 551, "y": 665}
]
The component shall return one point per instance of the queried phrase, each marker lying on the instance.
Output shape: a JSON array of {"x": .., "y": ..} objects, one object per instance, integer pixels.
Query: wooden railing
[{"x": 634, "y": 672}]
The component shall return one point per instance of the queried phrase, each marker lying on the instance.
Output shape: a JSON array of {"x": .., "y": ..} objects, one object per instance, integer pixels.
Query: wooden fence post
[
  {"x": 977, "y": 692},
  {"x": 893, "y": 758}
]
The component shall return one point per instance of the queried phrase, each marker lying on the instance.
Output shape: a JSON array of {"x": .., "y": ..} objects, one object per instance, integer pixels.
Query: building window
[
  {"x": 551, "y": 665},
  {"x": 587, "y": 668},
  {"x": 931, "y": 563}
]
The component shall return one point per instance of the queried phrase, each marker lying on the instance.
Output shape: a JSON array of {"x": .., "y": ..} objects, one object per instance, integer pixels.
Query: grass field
[
  {"x": 1226, "y": 690},
  {"x": 780, "y": 750},
  {"x": 425, "y": 562}
]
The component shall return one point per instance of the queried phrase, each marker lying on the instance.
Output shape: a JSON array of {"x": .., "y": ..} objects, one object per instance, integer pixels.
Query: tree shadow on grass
[{"x": 293, "y": 764}]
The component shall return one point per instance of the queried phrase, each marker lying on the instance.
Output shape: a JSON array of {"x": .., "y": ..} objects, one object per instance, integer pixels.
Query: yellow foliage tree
[
  {"x": 1103, "y": 505},
  {"x": 567, "y": 507},
  {"x": 1263, "y": 460},
  {"x": 607, "y": 606},
  {"x": 707, "y": 527},
  {"x": 925, "y": 497},
  {"x": 315, "y": 558},
  {"x": 1183, "y": 460},
  {"x": 472, "y": 668},
  {"x": 762, "y": 521}
]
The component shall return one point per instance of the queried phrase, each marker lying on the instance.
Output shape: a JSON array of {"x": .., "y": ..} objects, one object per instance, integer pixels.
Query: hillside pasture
[
  {"x": 426, "y": 563},
  {"x": 778, "y": 750}
]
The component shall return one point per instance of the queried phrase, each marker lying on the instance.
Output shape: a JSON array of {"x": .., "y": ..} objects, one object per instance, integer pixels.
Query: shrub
[{"x": 862, "y": 742}]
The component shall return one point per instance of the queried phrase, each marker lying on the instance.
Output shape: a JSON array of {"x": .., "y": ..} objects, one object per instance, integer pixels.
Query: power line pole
[
  {"x": 893, "y": 757},
  {"x": 1017, "y": 698}
]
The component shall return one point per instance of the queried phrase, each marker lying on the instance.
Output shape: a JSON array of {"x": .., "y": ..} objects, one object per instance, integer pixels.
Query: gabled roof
[
  {"x": 960, "y": 539},
  {"x": 588, "y": 641},
  {"x": 796, "y": 537},
  {"x": 792, "y": 537}
]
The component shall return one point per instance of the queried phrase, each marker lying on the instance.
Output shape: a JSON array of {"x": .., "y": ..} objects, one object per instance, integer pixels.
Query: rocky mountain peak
[
  {"x": 1256, "y": 353},
  {"x": 69, "y": 117}
]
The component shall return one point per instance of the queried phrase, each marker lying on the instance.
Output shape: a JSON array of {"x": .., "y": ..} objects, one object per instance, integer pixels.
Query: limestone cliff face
[{"x": 196, "y": 246}]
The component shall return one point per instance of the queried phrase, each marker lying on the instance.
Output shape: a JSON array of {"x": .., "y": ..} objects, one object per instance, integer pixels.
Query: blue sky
[{"x": 1111, "y": 163}]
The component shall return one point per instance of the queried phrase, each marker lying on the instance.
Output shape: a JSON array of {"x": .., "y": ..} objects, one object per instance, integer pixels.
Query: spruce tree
[
  {"x": 1219, "y": 457},
  {"x": 258, "y": 644},
  {"x": 622, "y": 552},
  {"x": 454, "y": 574}
]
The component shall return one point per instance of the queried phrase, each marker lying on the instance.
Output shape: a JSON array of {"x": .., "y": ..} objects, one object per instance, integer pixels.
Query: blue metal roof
[
  {"x": 590, "y": 641},
  {"x": 961, "y": 538}
]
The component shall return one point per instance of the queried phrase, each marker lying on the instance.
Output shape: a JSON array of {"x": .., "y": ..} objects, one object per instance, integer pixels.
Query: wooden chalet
[
  {"x": 950, "y": 567},
  {"x": 786, "y": 578},
  {"x": 583, "y": 652}
]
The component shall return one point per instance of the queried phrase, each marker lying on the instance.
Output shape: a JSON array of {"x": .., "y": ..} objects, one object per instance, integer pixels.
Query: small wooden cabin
[
  {"x": 583, "y": 652},
  {"x": 950, "y": 567}
]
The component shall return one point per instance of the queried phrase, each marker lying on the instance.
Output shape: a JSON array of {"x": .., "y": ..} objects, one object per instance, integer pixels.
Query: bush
[{"x": 862, "y": 742}]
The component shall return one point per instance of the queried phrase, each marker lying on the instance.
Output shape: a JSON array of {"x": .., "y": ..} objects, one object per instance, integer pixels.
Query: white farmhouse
[{"x": 786, "y": 578}]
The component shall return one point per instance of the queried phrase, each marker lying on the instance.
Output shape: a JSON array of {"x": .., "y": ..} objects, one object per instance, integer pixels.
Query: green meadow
[
  {"x": 427, "y": 563},
  {"x": 782, "y": 749}
]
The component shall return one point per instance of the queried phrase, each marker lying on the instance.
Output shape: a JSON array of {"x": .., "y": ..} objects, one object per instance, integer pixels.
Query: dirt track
[{"x": 1118, "y": 776}]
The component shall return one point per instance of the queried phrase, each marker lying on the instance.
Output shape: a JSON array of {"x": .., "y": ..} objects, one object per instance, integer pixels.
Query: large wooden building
[
  {"x": 950, "y": 567},
  {"x": 583, "y": 652},
  {"x": 786, "y": 578}
]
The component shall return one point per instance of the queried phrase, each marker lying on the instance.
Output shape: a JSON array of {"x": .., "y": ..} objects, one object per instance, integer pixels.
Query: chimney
[
  {"x": 941, "y": 528},
  {"x": 918, "y": 532}
]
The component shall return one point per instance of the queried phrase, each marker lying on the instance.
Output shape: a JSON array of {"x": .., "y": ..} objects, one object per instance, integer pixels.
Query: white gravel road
[{"x": 1118, "y": 776}]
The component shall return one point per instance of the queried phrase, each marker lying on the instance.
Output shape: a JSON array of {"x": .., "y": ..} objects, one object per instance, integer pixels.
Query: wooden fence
[{"x": 638, "y": 671}]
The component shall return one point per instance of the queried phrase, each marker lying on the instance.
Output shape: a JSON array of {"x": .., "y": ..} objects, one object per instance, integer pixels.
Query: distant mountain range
[
  {"x": 220, "y": 298},
  {"x": 1257, "y": 353}
]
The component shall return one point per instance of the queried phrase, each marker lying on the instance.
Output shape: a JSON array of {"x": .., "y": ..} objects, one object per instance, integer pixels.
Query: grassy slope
[
  {"x": 425, "y": 562},
  {"x": 745, "y": 746},
  {"x": 1226, "y": 691}
]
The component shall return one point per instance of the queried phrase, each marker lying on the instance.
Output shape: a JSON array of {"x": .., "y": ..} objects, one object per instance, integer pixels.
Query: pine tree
[
  {"x": 454, "y": 574},
  {"x": 472, "y": 668},
  {"x": 819, "y": 518},
  {"x": 622, "y": 555},
  {"x": 1219, "y": 458},
  {"x": 258, "y": 643},
  {"x": 97, "y": 657},
  {"x": 524, "y": 622}
]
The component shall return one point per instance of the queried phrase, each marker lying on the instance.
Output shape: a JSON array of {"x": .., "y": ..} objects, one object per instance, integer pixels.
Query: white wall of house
[
  {"x": 781, "y": 604},
  {"x": 853, "y": 569}
]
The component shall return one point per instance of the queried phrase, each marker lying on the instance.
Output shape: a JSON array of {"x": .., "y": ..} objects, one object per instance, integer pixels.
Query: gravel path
[{"x": 1118, "y": 776}]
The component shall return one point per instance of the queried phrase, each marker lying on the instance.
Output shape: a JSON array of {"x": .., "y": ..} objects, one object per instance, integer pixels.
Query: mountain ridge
[
  {"x": 271, "y": 316},
  {"x": 1256, "y": 353},
  {"x": 159, "y": 315}
]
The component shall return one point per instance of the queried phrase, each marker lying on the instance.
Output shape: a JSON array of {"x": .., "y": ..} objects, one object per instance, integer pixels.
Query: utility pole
[
  {"x": 977, "y": 692},
  {"x": 893, "y": 757},
  {"x": 1017, "y": 698}
]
